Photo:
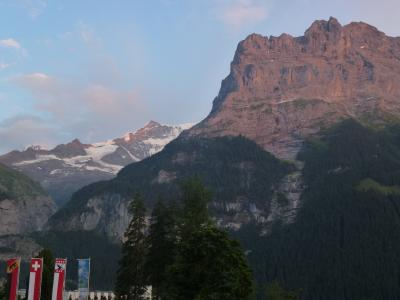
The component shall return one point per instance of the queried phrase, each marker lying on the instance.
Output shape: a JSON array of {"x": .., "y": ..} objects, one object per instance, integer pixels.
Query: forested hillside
[
  {"x": 346, "y": 238},
  {"x": 14, "y": 185},
  {"x": 24, "y": 205}
]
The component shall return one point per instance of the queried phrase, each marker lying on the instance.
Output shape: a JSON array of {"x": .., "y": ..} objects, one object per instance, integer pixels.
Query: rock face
[
  {"x": 68, "y": 167},
  {"x": 106, "y": 214},
  {"x": 24, "y": 206},
  {"x": 18, "y": 246},
  {"x": 283, "y": 89},
  {"x": 25, "y": 214}
]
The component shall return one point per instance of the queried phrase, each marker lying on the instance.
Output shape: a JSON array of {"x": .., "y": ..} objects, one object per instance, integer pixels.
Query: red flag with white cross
[{"x": 35, "y": 278}]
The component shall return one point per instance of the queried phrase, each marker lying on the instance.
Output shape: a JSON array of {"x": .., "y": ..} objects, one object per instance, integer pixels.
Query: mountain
[
  {"x": 246, "y": 182},
  {"x": 302, "y": 151},
  {"x": 282, "y": 90},
  {"x": 68, "y": 167},
  {"x": 24, "y": 205}
]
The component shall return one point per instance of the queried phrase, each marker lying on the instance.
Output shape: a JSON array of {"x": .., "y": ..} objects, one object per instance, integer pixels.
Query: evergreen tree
[
  {"x": 185, "y": 256},
  {"x": 194, "y": 200},
  {"x": 162, "y": 246},
  {"x": 47, "y": 275},
  {"x": 131, "y": 278},
  {"x": 209, "y": 266}
]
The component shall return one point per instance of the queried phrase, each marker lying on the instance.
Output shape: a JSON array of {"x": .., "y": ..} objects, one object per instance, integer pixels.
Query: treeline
[{"x": 181, "y": 254}]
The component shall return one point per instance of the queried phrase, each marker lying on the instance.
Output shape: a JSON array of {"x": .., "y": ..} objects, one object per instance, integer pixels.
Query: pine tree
[
  {"x": 47, "y": 275},
  {"x": 131, "y": 276},
  {"x": 194, "y": 200},
  {"x": 209, "y": 266},
  {"x": 162, "y": 246}
]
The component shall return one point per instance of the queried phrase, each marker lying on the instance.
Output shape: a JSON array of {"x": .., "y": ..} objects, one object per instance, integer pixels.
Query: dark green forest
[
  {"x": 345, "y": 243},
  {"x": 15, "y": 185}
]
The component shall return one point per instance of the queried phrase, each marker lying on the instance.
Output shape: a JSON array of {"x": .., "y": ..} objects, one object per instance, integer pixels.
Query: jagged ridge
[
  {"x": 284, "y": 89},
  {"x": 68, "y": 167}
]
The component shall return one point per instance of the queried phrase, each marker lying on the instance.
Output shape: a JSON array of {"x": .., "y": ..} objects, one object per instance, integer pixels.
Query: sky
[{"x": 96, "y": 69}]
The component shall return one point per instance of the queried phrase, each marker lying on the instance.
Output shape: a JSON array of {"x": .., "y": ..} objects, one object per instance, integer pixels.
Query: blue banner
[{"x": 83, "y": 278}]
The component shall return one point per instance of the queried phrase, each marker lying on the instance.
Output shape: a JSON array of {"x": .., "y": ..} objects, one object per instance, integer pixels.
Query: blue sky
[{"x": 95, "y": 69}]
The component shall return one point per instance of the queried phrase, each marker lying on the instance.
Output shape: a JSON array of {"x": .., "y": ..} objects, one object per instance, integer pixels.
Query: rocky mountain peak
[
  {"x": 152, "y": 124},
  {"x": 73, "y": 148},
  {"x": 35, "y": 148},
  {"x": 322, "y": 34},
  {"x": 149, "y": 127},
  {"x": 76, "y": 142},
  {"x": 281, "y": 90},
  {"x": 323, "y": 26}
]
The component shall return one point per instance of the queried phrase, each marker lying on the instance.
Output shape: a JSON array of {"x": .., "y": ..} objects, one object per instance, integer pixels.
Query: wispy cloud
[
  {"x": 34, "y": 7},
  {"x": 23, "y": 130},
  {"x": 238, "y": 13},
  {"x": 86, "y": 34},
  {"x": 3, "y": 65},
  {"x": 10, "y": 43},
  {"x": 91, "y": 111},
  {"x": 12, "y": 52}
]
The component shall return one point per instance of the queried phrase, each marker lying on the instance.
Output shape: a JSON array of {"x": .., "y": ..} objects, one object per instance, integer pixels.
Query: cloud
[
  {"x": 86, "y": 34},
  {"x": 14, "y": 53},
  {"x": 34, "y": 7},
  {"x": 19, "y": 131},
  {"x": 3, "y": 65},
  {"x": 238, "y": 13},
  {"x": 10, "y": 43},
  {"x": 91, "y": 111}
]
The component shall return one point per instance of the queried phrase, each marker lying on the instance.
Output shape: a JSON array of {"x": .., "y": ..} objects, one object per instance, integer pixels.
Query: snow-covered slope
[{"x": 68, "y": 167}]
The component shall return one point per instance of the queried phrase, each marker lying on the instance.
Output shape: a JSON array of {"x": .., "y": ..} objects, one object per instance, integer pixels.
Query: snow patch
[
  {"x": 127, "y": 137},
  {"x": 93, "y": 159},
  {"x": 56, "y": 171},
  {"x": 39, "y": 158},
  {"x": 94, "y": 154},
  {"x": 133, "y": 157},
  {"x": 99, "y": 150}
]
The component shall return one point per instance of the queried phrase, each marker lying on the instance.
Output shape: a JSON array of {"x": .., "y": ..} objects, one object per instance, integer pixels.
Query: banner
[
  {"x": 13, "y": 267},
  {"x": 35, "y": 278},
  {"x": 83, "y": 278},
  {"x": 59, "y": 279}
]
